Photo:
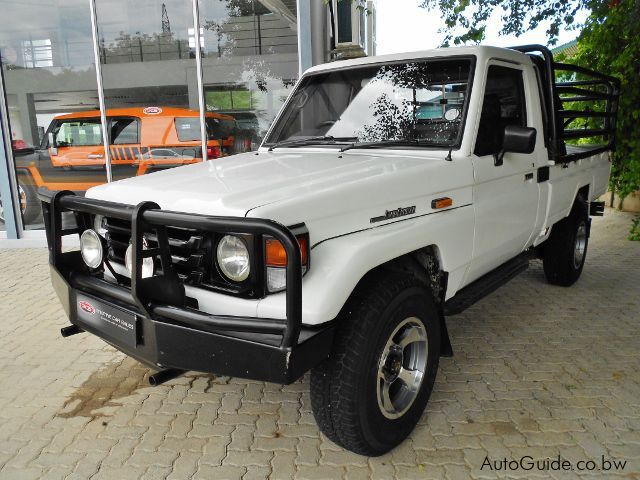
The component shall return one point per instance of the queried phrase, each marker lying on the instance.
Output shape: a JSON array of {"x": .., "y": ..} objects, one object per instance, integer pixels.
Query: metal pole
[
  {"x": 305, "y": 50},
  {"x": 103, "y": 111},
  {"x": 201, "y": 103},
  {"x": 8, "y": 180}
]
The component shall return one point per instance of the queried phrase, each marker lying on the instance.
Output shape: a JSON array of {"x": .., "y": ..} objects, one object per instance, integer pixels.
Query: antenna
[{"x": 166, "y": 25}]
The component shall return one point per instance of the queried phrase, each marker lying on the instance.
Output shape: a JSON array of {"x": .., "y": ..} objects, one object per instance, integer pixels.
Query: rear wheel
[
  {"x": 369, "y": 394},
  {"x": 565, "y": 251}
]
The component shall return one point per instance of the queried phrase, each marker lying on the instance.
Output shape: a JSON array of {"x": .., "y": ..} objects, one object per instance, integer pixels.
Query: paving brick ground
[{"x": 538, "y": 371}]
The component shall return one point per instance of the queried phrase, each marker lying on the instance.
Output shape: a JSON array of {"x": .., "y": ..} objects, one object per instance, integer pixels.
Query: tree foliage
[
  {"x": 610, "y": 43},
  {"x": 466, "y": 20}
]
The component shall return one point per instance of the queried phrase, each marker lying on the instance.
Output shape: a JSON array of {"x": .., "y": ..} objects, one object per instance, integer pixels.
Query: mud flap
[{"x": 446, "y": 350}]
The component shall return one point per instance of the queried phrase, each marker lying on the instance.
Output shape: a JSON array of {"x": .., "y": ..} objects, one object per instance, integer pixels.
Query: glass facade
[
  {"x": 250, "y": 62},
  {"x": 150, "y": 83},
  {"x": 150, "y": 89},
  {"x": 148, "y": 62},
  {"x": 48, "y": 70}
]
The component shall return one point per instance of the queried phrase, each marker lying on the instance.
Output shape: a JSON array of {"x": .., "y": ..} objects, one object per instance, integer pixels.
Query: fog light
[
  {"x": 91, "y": 248},
  {"x": 147, "y": 262}
]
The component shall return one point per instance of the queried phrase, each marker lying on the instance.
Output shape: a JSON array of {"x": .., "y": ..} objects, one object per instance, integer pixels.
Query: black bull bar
[{"x": 173, "y": 335}]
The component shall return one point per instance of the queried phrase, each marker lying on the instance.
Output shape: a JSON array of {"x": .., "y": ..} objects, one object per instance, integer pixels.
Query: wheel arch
[
  {"x": 583, "y": 192},
  {"x": 425, "y": 264}
]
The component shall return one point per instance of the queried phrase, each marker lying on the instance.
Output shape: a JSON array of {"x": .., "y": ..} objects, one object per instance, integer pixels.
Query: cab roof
[
  {"x": 141, "y": 112},
  {"x": 481, "y": 52}
]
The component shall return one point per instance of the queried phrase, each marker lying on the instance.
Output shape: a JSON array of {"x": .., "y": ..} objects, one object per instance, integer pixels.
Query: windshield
[
  {"x": 78, "y": 133},
  {"x": 419, "y": 101}
]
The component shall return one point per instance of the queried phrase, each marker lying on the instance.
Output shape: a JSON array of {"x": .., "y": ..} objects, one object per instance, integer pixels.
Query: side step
[{"x": 486, "y": 284}]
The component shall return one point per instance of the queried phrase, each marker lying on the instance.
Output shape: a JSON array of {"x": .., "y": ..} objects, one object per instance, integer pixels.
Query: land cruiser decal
[{"x": 398, "y": 212}]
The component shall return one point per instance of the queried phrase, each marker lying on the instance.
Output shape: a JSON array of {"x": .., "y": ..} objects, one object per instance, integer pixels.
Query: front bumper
[{"x": 165, "y": 332}]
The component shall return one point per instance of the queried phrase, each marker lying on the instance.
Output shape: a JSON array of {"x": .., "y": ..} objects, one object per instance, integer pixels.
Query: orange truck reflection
[{"x": 142, "y": 140}]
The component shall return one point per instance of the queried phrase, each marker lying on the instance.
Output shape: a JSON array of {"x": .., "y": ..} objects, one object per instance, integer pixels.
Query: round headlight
[
  {"x": 147, "y": 262},
  {"x": 91, "y": 248},
  {"x": 233, "y": 258},
  {"x": 98, "y": 225}
]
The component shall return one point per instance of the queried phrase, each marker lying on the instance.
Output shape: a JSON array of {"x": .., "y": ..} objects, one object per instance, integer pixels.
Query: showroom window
[
  {"x": 151, "y": 86},
  {"x": 50, "y": 82},
  {"x": 250, "y": 63}
]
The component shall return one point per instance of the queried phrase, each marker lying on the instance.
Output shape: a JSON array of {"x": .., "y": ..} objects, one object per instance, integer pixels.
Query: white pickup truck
[{"x": 389, "y": 193}]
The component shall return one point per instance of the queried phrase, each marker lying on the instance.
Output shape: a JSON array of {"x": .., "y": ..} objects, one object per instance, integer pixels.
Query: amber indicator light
[
  {"x": 441, "y": 202},
  {"x": 276, "y": 256}
]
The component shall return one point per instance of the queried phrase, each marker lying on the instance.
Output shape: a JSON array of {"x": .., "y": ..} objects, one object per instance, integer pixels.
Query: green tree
[
  {"x": 466, "y": 20},
  {"x": 610, "y": 43}
]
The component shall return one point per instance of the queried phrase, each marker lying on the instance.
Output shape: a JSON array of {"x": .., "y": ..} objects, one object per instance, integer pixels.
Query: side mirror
[
  {"x": 516, "y": 140},
  {"x": 52, "y": 143}
]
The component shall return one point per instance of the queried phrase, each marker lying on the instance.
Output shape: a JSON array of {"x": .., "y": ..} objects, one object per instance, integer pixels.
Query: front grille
[
  {"x": 191, "y": 254},
  {"x": 188, "y": 248}
]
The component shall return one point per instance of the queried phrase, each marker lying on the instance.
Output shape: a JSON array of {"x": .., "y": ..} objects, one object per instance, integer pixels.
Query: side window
[
  {"x": 503, "y": 104},
  {"x": 188, "y": 129},
  {"x": 124, "y": 131}
]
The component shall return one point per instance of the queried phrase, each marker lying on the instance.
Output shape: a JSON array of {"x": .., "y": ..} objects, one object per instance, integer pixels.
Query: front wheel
[
  {"x": 565, "y": 250},
  {"x": 370, "y": 393}
]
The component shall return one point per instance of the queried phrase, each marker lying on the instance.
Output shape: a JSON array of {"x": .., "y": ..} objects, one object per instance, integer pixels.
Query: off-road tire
[
  {"x": 559, "y": 251},
  {"x": 343, "y": 388}
]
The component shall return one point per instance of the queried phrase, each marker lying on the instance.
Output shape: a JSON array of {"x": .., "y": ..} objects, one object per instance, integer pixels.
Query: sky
[{"x": 402, "y": 26}]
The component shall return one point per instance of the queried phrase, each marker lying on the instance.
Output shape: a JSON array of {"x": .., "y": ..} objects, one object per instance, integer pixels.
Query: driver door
[{"x": 505, "y": 197}]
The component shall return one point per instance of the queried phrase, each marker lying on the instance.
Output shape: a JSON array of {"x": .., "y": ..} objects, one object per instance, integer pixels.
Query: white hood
[{"x": 294, "y": 186}]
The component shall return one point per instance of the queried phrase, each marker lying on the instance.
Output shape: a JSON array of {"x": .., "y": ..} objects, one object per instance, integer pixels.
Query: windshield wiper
[
  {"x": 391, "y": 143},
  {"x": 310, "y": 141},
  {"x": 382, "y": 143}
]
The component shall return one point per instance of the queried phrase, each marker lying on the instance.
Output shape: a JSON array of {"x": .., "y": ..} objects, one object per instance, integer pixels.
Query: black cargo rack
[{"x": 577, "y": 84}]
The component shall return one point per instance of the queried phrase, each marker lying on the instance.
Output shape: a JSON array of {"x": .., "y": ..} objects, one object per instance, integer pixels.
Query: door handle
[
  {"x": 95, "y": 155},
  {"x": 528, "y": 176}
]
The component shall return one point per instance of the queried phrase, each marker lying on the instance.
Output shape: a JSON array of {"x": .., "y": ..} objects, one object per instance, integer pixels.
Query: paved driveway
[{"x": 539, "y": 371}]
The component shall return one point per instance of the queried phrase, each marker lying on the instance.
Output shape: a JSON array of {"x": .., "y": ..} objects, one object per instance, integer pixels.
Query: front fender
[{"x": 338, "y": 264}]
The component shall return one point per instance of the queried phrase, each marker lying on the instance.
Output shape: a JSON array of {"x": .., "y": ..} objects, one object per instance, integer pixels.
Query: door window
[
  {"x": 188, "y": 128},
  {"x": 124, "y": 131},
  {"x": 503, "y": 105}
]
